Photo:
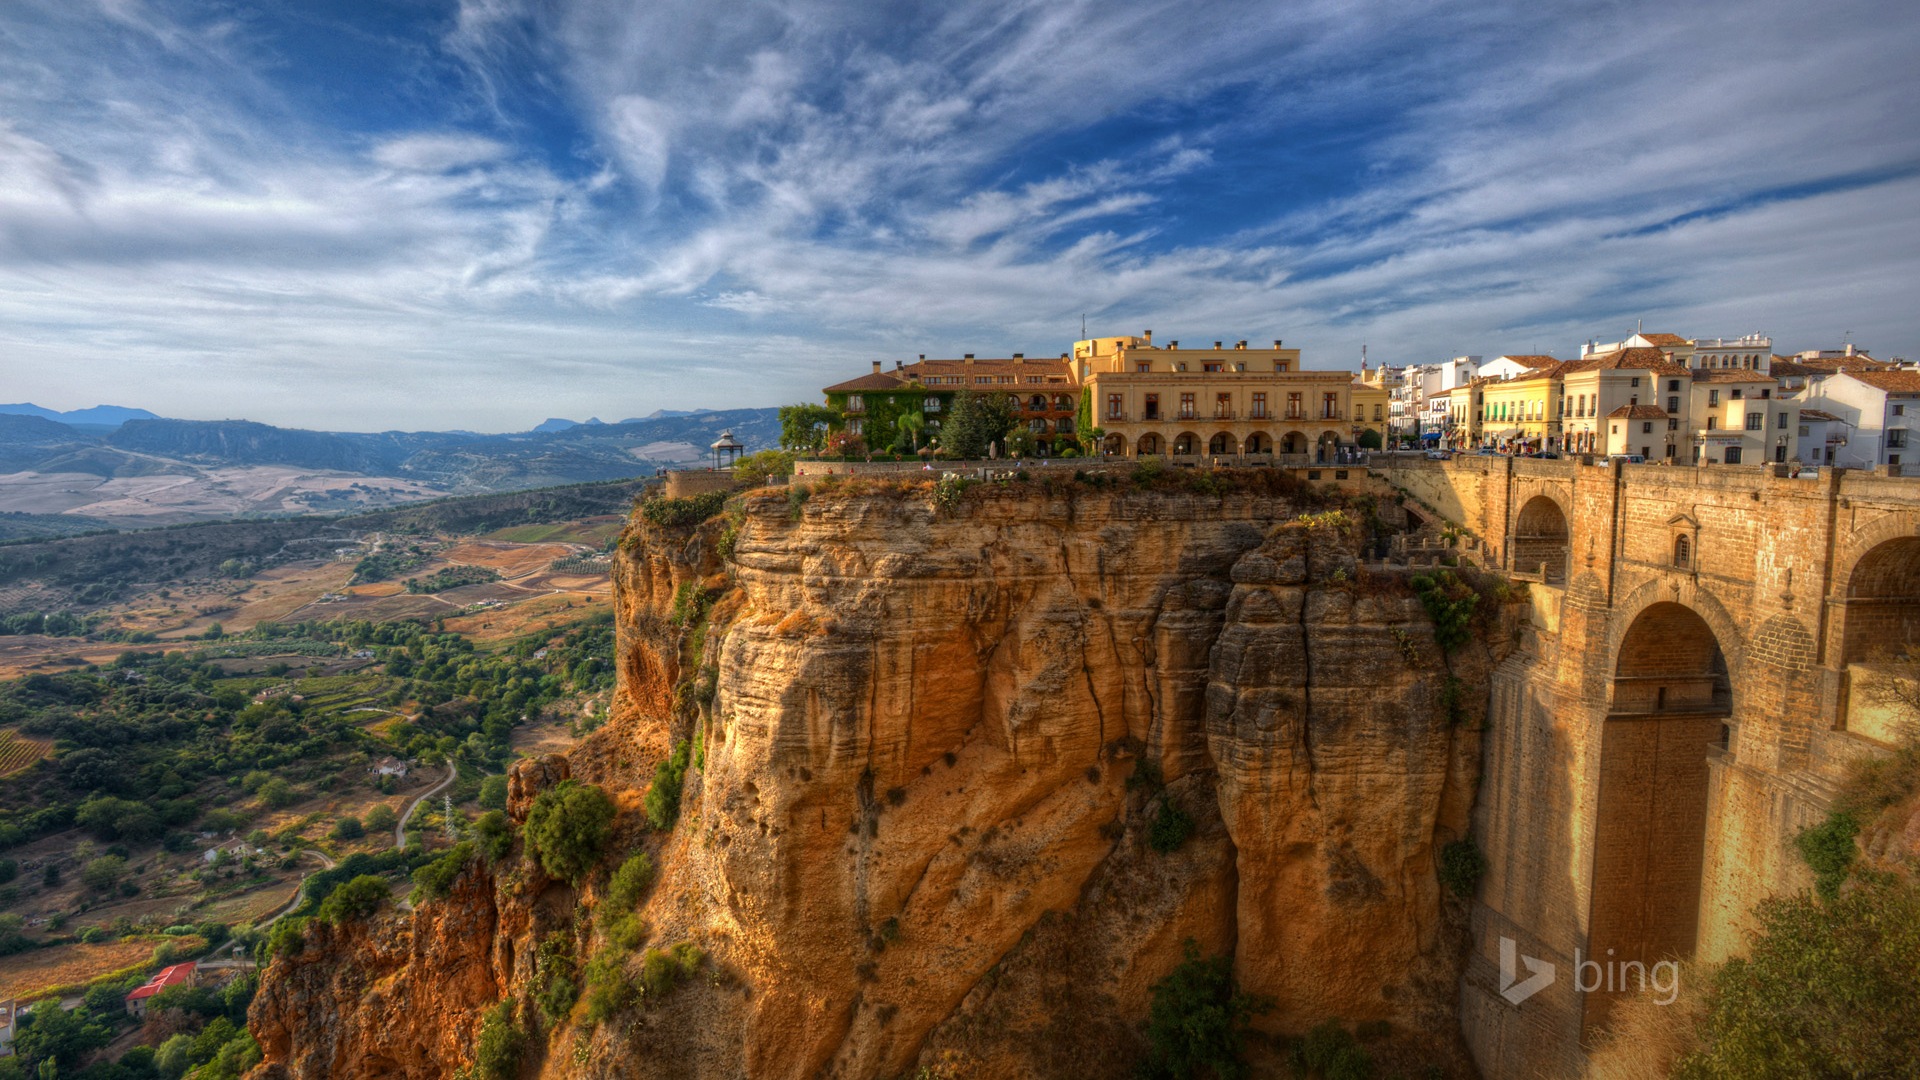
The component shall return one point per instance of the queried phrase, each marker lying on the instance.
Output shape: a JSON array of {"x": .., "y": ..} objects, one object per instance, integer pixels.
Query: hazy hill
[
  {"x": 243, "y": 442},
  {"x": 107, "y": 416}
]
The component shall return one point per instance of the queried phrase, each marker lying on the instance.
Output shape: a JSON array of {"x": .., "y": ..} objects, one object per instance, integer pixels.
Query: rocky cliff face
[{"x": 934, "y": 743}]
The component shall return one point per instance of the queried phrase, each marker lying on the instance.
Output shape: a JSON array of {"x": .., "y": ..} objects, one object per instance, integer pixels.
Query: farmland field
[
  {"x": 17, "y": 751},
  {"x": 30, "y": 974}
]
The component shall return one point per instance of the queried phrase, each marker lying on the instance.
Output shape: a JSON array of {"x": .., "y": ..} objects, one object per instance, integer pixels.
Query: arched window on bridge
[{"x": 1682, "y": 553}]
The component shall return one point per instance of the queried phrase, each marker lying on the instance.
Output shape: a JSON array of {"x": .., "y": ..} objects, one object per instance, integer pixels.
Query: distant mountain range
[
  {"x": 100, "y": 416},
  {"x": 149, "y": 466}
]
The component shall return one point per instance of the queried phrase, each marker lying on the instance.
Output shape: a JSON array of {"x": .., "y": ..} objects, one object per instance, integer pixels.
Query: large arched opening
[
  {"x": 1295, "y": 442},
  {"x": 1222, "y": 443},
  {"x": 1880, "y": 649},
  {"x": 1671, "y": 700},
  {"x": 1259, "y": 443},
  {"x": 1149, "y": 445},
  {"x": 1540, "y": 543},
  {"x": 1186, "y": 443}
]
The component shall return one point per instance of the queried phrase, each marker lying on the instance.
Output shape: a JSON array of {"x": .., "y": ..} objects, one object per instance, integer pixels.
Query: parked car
[
  {"x": 1631, "y": 459},
  {"x": 1439, "y": 455}
]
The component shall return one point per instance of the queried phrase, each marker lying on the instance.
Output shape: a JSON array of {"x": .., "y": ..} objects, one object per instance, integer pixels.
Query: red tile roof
[
  {"x": 167, "y": 977},
  {"x": 1058, "y": 373},
  {"x": 1638, "y": 412},
  {"x": 1638, "y": 359},
  {"x": 1533, "y": 360},
  {"x": 1739, "y": 375},
  {"x": 1893, "y": 382},
  {"x": 1664, "y": 339},
  {"x": 1816, "y": 415}
]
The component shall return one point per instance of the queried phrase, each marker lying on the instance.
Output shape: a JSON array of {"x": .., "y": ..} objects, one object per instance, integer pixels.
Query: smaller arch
[
  {"x": 1259, "y": 443},
  {"x": 1150, "y": 443},
  {"x": 1115, "y": 444},
  {"x": 1540, "y": 540},
  {"x": 1295, "y": 442},
  {"x": 1186, "y": 443},
  {"x": 1037, "y": 403},
  {"x": 1223, "y": 443}
]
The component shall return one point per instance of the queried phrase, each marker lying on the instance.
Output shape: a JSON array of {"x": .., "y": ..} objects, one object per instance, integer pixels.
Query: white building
[
  {"x": 1754, "y": 353},
  {"x": 1507, "y": 367},
  {"x": 1822, "y": 434},
  {"x": 1879, "y": 411}
]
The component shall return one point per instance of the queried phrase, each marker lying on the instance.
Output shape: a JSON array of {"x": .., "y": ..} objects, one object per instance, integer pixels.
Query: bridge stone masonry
[{"x": 1684, "y": 700}]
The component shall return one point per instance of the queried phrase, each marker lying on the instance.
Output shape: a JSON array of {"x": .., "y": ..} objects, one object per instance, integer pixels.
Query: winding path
[{"x": 400, "y": 830}]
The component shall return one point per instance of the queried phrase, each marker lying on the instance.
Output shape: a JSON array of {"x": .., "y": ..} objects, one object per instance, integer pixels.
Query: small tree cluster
[{"x": 567, "y": 827}]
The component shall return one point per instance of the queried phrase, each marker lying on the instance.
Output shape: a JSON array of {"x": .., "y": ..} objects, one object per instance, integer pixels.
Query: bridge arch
[
  {"x": 1879, "y": 634},
  {"x": 1670, "y": 701},
  {"x": 1541, "y": 539}
]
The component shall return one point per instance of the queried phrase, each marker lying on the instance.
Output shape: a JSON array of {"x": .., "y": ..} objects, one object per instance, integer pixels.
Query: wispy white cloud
[{"x": 805, "y": 185}]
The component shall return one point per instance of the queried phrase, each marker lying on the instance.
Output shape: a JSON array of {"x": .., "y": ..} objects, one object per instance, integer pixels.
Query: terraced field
[{"x": 18, "y": 752}]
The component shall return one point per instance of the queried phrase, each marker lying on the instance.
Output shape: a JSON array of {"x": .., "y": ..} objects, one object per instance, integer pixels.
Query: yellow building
[
  {"x": 1224, "y": 401},
  {"x": 1642, "y": 380},
  {"x": 1522, "y": 414}
]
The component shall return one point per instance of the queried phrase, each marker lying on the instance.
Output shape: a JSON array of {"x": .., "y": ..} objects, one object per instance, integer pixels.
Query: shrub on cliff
[
  {"x": 680, "y": 513},
  {"x": 1169, "y": 828},
  {"x": 663, "y": 969},
  {"x": 493, "y": 836},
  {"x": 434, "y": 880},
  {"x": 1461, "y": 866},
  {"x": 1828, "y": 849},
  {"x": 497, "y": 1055},
  {"x": 1330, "y": 1051},
  {"x": 629, "y": 883},
  {"x": 1827, "y": 988},
  {"x": 357, "y": 899},
  {"x": 607, "y": 990},
  {"x": 1450, "y": 603},
  {"x": 663, "y": 795},
  {"x": 567, "y": 826},
  {"x": 1198, "y": 1020}
]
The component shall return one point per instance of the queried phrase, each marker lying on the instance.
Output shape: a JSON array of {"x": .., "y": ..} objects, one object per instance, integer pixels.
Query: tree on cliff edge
[{"x": 567, "y": 826}]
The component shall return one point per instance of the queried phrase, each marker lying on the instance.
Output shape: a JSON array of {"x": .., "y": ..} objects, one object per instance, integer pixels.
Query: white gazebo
[{"x": 728, "y": 448}]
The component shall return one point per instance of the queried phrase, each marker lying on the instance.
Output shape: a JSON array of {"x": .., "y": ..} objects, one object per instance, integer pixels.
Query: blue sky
[{"x": 477, "y": 214}]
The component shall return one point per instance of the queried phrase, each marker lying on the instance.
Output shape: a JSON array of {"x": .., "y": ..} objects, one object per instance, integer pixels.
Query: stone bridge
[{"x": 1695, "y": 677}]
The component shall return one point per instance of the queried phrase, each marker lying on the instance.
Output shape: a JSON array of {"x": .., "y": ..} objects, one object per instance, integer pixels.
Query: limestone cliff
[{"x": 934, "y": 734}]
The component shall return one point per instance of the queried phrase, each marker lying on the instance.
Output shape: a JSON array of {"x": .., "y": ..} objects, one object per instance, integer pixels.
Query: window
[
  {"x": 1259, "y": 405},
  {"x": 1673, "y": 385},
  {"x": 982, "y": 380},
  {"x": 1755, "y": 421},
  {"x": 1713, "y": 422},
  {"x": 1142, "y": 366},
  {"x": 1330, "y": 406},
  {"x": 1616, "y": 429},
  {"x": 1376, "y": 412},
  {"x": 1713, "y": 398},
  {"x": 1782, "y": 425},
  {"x": 1635, "y": 381},
  {"x": 1213, "y": 366},
  {"x": 1359, "y": 412},
  {"x": 1295, "y": 410},
  {"x": 856, "y": 403},
  {"x": 1153, "y": 407},
  {"x": 1223, "y": 406},
  {"x": 1682, "y": 552},
  {"x": 1766, "y": 391},
  {"x": 1115, "y": 410},
  {"x": 1893, "y": 459},
  {"x": 1673, "y": 404},
  {"x": 1646, "y": 427},
  {"x": 1186, "y": 406},
  {"x": 1899, "y": 410},
  {"x": 1240, "y": 365},
  {"x": 1280, "y": 365},
  {"x": 932, "y": 404},
  {"x": 853, "y": 426},
  {"x": 1733, "y": 455},
  {"x": 1896, "y": 438},
  {"x": 1673, "y": 425}
]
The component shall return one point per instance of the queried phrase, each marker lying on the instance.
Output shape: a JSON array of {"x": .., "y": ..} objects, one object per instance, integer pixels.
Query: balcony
[
  {"x": 1116, "y": 417},
  {"x": 1223, "y": 414},
  {"x": 1259, "y": 412},
  {"x": 1187, "y": 414}
]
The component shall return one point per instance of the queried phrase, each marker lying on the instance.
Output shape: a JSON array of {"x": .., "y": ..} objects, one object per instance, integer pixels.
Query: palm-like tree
[{"x": 913, "y": 423}]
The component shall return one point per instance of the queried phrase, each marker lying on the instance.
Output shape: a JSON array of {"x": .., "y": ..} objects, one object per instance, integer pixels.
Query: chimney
[
  {"x": 899, "y": 365},
  {"x": 1241, "y": 344},
  {"x": 969, "y": 356},
  {"x": 876, "y": 367},
  {"x": 1217, "y": 344},
  {"x": 1276, "y": 343},
  {"x": 923, "y": 356},
  {"x": 1173, "y": 344},
  {"x": 1149, "y": 336},
  {"x": 1019, "y": 356},
  {"x": 1849, "y": 348}
]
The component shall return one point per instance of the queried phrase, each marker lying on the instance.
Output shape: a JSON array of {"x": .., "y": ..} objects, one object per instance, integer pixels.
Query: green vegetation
[
  {"x": 1461, "y": 867},
  {"x": 681, "y": 513},
  {"x": 663, "y": 795},
  {"x": 356, "y": 899},
  {"x": 1330, "y": 1051},
  {"x": 388, "y": 561},
  {"x": 663, "y": 969},
  {"x": 629, "y": 883},
  {"x": 607, "y": 988},
  {"x": 974, "y": 423},
  {"x": 804, "y": 427},
  {"x": 453, "y": 577},
  {"x": 1827, "y": 989},
  {"x": 1198, "y": 1019},
  {"x": 1828, "y": 848},
  {"x": 1450, "y": 603},
  {"x": 497, "y": 1056},
  {"x": 435, "y": 879},
  {"x": 567, "y": 827},
  {"x": 1170, "y": 828}
]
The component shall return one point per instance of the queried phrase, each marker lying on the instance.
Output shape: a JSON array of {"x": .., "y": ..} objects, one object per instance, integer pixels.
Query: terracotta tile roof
[
  {"x": 172, "y": 976},
  {"x": 878, "y": 380},
  {"x": 1058, "y": 373},
  {"x": 1732, "y": 375},
  {"x": 1532, "y": 360},
  {"x": 1784, "y": 368},
  {"x": 1893, "y": 382},
  {"x": 1816, "y": 415},
  {"x": 1640, "y": 359},
  {"x": 1664, "y": 339},
  {"x": 1638, "y": 412}
]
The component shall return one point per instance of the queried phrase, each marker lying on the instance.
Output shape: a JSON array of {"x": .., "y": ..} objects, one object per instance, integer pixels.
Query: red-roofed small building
[{"x": 165, "y": 979}]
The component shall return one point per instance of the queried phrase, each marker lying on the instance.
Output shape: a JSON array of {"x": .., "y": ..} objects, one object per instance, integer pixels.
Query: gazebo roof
[{"x": 726, "y": 441}]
